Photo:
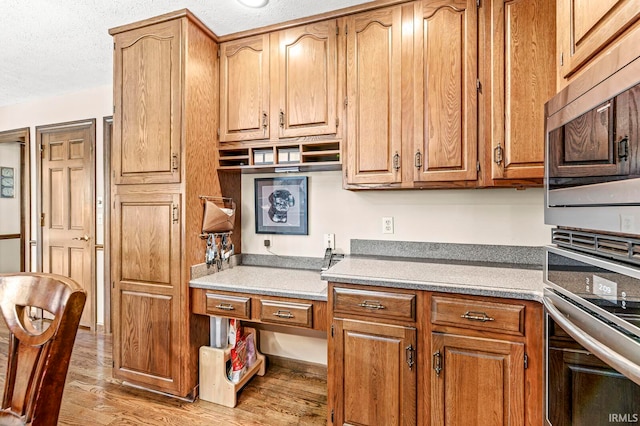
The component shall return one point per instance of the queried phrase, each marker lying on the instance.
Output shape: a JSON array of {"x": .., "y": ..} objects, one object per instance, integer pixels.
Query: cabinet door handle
[
  {"x": 604, "y": 107},
  {"x": 497, "y": 154},
  {"x": 476, "y": 316},
  {"x": 368, "y": 304},
  {"x": 265, "y": 119},
  {"x": 418, "y": 160},
  {"x": 623, "y": 148},
  {"x": 437, "y": 362},
  {"x": 225, "y": 307},
  {"x": 283, "y": 314},
  {"x": 282, "y": 118},
  {"x": 174, "y": 162},
  {"x": 396, "y": 161},
  {"x": 174, "y": 213},
  {"x": 410, "y": 351}
]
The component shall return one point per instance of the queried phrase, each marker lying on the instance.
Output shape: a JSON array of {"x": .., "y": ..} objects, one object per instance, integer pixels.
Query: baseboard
[{"x": 297, "y": 365}]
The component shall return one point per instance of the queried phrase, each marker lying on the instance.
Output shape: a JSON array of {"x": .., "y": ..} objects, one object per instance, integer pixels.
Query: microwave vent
[{"x": 625, "y": 249}]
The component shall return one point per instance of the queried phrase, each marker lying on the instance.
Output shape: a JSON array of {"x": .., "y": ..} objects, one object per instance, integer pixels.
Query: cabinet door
[
  {"x": 307, "y": 58},
  {"x": 244, "y": 89},
  {"x": 523, "y": 79},
  {"x": 147, "y": 98},
  {"x": 587, "y": 26},
  {"x": 446, "y": 60},
  {"x": 375, "y": 378},
  {"x": 374, "y": 97},
  {"x": 146, "y": 286},
  {"x": 476, "y": 381}
]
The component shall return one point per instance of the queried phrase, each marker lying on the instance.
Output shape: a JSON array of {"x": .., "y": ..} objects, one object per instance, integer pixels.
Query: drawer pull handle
[
  {"x": 476, "y": 316},
  {"x": 283, "y": 314},
  {"x": 367, "y": 304},
  {"x": 225, "y": 307}
]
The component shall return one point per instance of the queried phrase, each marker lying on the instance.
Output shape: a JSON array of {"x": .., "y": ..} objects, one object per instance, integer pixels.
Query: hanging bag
[{"x": 219, "y": 215}]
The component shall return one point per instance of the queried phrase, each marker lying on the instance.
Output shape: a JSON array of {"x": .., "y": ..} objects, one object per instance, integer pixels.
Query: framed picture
[
  {"x": 281, "y": 205},
  {"x": 7, "y": 182}
]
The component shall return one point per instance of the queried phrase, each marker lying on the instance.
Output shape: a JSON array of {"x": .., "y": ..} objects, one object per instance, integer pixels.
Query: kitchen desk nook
[{"x": 409, "y": 340}]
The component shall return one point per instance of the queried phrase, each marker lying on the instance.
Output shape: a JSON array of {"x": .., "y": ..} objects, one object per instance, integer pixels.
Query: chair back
[{"x": 38, "y": 359}]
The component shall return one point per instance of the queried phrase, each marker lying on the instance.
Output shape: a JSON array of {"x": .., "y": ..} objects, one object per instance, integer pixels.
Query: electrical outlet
[
  {"x": 267, "y": 243},
  {"x": 387, "y": 225},
  {"x": 330, "y": 241}
]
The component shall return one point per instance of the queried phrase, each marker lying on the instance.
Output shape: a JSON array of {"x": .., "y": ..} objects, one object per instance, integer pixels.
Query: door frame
[
  {"x": 91, "y": 122},
  {"x": 22, "y": 136},
  {"x": 107, "y": 134}
]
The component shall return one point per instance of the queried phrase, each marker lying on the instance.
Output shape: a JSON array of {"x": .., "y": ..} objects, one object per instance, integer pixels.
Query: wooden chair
[{"x": 38, "y": 357}]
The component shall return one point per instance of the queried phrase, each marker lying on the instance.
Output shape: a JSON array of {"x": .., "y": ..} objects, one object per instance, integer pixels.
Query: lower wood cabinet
[
  {"x": 373, "y": 369},
  {"x": 476, "y": 381},
  {"x": 410, "y": 357}
]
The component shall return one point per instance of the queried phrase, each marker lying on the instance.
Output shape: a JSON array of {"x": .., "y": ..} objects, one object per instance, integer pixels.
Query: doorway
[
  {"x": 15, "y": 187},
  {"x": 66, "y": 206}
]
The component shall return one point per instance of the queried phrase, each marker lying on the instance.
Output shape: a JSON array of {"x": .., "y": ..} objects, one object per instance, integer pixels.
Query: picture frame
[
  {"x": 7, "y": 182},
  {"x": 281, "y": 205}
]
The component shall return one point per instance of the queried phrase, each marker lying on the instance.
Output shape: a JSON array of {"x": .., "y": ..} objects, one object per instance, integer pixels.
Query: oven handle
[{"x": 583, "y": 333}]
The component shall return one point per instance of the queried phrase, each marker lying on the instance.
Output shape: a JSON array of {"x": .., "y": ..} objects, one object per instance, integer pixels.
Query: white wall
[{"x": 474, "y": 216}]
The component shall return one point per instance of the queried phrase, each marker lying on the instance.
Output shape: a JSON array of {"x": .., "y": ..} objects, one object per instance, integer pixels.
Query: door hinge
[
  {"x": 175, "y": 215},
  {"x": 346, "y": 29},
  {"x": 526, "y": 361},
  {"x": 478, "y": 166},
  {"x": 331, "y": 330},
  {"x": 41, "y": 219},
  {"x": 331, "y": 416},
  {"x": 478, "y": 85},
  {"x": 337, "y": 30},
  {"x": 337, "y": 122},
  {"x": 113, "y": 364},
  {"x": 113, "y": 284},
  {"x": 346, "y": 101},
  {"x": 561, "y": 58},
  {"x": 41, "y": 150},
  {"x": 114, "y": 46}
]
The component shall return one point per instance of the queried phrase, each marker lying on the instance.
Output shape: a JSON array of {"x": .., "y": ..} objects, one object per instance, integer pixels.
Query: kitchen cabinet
[
  {"x": 372, "y": 356},
  {"x": 374, "y": 96},
  {"x": 446, "y": 107},
  {"x": 588, "y": 27},
  {"x": 519, "y": 75},
  {"x": 293, "y": 312},
  {"x": 163, "y": 158},
  {"x": 486, "y": 365},
  {"x": 280, "y": 85}
]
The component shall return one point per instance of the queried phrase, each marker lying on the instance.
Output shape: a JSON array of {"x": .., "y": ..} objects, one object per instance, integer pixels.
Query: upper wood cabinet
[
  {"x": 244, "y": 89},
  {"x": 446, "y": 107},
  {"x": 586, "y": 27},
  {"x": 147, "y": 71},
  {"x": 522, "y": 78},
  {"x": 279, "y": 85},
  {"x": 374, "y": 96}
]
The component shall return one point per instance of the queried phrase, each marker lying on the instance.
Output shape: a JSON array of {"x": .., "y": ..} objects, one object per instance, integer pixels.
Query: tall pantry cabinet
[{"x": 163, "y": 158}]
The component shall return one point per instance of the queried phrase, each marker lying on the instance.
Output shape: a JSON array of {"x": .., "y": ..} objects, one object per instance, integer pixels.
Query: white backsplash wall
[{"x": 466, "y": 216}]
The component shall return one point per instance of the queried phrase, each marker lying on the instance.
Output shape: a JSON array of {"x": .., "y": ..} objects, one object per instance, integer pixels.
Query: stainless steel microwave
[{"x": 592, "y": 155}]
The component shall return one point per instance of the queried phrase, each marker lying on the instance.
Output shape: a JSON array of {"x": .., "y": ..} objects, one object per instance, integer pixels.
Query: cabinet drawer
[
  {"x": 295, "y": 314},
  {"x": 401, "y": 306},
  {"x": 480, "y": 315},
  {"x": 228, "y": 306}
]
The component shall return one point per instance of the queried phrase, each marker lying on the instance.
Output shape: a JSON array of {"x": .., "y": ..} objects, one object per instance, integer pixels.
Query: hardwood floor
[{"x": 92, "y": 397}]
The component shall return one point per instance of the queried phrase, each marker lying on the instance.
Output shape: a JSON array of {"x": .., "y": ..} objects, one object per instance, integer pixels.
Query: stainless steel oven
[
  {"x": 592, "y": 340},
  {"x": 592, "y": 197}
]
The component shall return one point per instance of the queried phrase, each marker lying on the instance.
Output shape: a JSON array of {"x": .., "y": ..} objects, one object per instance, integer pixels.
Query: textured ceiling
[{"x": 53, "y": 47}]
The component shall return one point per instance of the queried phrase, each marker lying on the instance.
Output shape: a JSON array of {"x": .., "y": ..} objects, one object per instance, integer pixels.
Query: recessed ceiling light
[{"x": 253, "y": 3}]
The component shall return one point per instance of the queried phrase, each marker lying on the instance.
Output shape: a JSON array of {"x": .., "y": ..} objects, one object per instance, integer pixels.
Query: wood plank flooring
[{"x": 93, "y": 397}]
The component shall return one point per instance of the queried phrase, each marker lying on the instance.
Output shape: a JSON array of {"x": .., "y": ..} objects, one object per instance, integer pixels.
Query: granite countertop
[
  {"x": 284, "y": 282},
  {"x": 510, "y": 282}
]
